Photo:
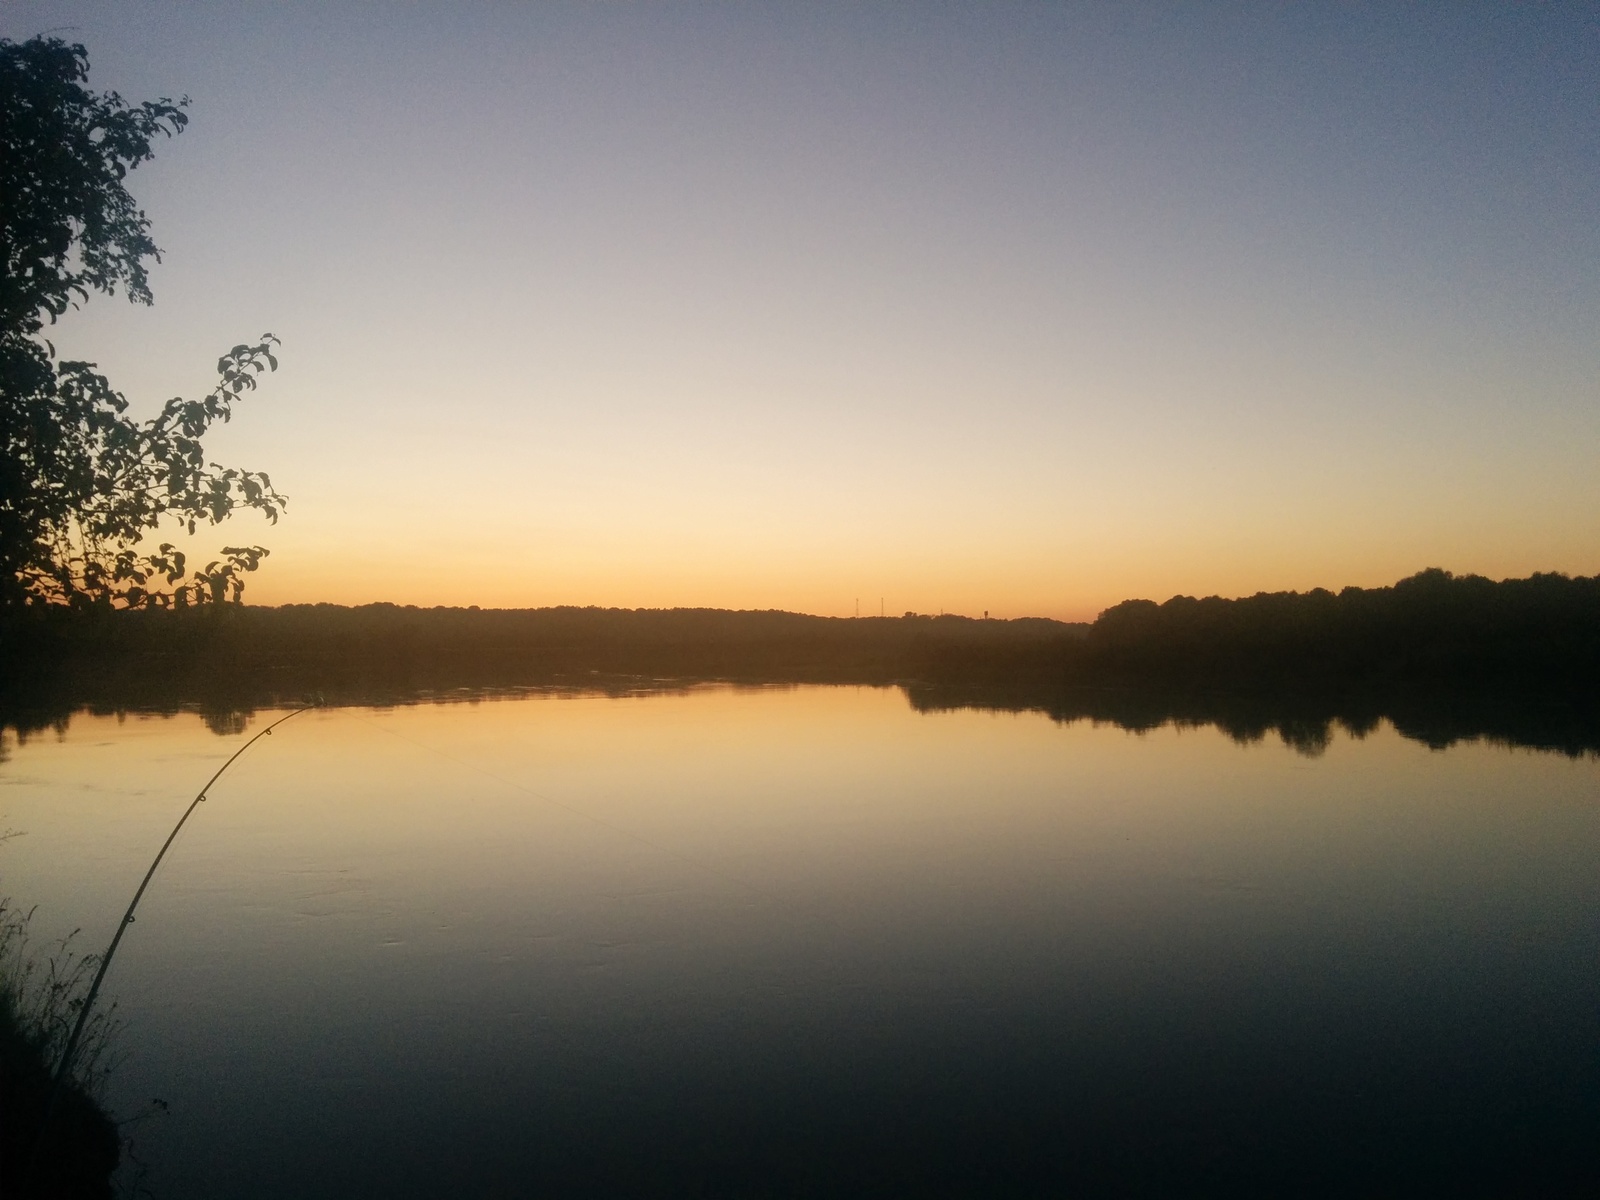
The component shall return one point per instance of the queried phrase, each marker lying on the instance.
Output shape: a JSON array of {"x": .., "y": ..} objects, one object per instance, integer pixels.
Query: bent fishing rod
[{"x": 127, "y": 919}]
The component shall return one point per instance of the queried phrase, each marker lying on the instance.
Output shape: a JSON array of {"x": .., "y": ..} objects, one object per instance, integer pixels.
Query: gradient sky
[{"x": 1025, "y": 308}]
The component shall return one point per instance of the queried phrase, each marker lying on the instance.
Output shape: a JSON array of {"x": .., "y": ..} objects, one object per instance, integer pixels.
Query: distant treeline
[
  {"x": 1433, "y": 641},
  {"x": 1431, "y": 627},
  {"x": 324, "y": 647}
]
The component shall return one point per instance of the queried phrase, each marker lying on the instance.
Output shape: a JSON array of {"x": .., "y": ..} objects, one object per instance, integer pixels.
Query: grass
[{"x": 40, "y": 997}]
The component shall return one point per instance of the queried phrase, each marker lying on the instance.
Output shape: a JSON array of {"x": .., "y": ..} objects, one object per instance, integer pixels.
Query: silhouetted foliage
[
  {"x": 1443, "y": 658},
  {"x": 81, "y": 483},
  {"x": 1432, "y": 626}
]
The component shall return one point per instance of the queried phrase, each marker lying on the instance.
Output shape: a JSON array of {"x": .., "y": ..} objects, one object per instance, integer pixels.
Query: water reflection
[
  {"x": 786, "y": 941},
  {"x": 1306, "y": 720}
]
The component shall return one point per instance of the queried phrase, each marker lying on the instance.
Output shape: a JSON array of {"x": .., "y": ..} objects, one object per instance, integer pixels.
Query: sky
[{"x": 1019, "y": 308}]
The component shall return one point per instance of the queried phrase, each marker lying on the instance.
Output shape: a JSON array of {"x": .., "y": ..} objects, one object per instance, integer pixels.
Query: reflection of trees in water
[
  {"x": 1442, "y": 658},
  {"x": 227, "y": 722},
  {"x": 1306, "y": 723}
]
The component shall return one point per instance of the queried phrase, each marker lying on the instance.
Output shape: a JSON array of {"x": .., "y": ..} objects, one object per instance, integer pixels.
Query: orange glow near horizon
[
  {"x": 1024, "y": 315},
  {"x": 1019, "y": 591},
  {"x": 689, "y": 550}
]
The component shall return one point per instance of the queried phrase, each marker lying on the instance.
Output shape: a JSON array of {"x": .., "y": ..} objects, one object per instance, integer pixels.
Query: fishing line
[
  {"x": 65, "y": 1062},
  {"x": 127, "y": 919}
]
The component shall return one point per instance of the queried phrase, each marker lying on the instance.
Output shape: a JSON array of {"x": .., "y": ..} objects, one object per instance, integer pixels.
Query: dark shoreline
[
  {"x": 1444, "y": 658},
  {"x": 1305, "y": 721}
]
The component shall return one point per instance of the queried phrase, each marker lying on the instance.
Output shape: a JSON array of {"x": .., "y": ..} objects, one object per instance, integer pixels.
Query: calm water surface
[{"x": 809, "y": 941}]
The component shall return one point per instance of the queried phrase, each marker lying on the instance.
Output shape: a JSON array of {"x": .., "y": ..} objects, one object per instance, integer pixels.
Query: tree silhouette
[{"x": 82, "y": 485}]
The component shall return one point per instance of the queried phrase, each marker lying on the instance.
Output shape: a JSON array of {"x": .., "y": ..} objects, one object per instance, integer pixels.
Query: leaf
[{"x": 105, "y": 484}]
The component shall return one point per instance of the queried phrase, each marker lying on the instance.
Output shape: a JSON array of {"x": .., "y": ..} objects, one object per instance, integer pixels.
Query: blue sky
[{"x": 1026, "y": 308}]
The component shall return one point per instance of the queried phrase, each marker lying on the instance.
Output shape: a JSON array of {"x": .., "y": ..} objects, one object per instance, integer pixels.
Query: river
[{"x": 725, "y": 941}]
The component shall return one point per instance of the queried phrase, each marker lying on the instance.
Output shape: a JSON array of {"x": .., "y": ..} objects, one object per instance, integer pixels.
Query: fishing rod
[{"x": 65, "y": 1062}]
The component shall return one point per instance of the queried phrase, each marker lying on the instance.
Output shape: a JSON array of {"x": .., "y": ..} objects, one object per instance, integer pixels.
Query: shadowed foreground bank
[
  {"x": 1444, "y": 658},
  {"x": 77, "y": 1151}
]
